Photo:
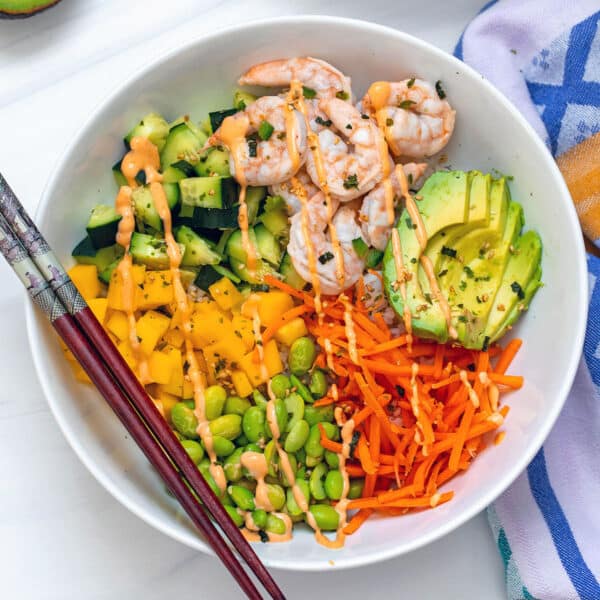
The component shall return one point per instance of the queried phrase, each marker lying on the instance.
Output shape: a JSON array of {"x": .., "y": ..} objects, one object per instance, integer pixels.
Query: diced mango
[
  {"x": 99, "y": 307},
  {"x": 227, "y": 350},
  {"x": 157, "y": 290},
  {"x": 79, "y": 373},
  {"x": 208, "y": 326},
  {"x": 127, "y": 353},
  {"x": 271, "y": 305},
  {"x": 115, "y": 287},
  {"x": 174, "y": 337},
  {"x": 150, "y": 328},
  {"x": 251, "y": 365},
  {"x": 160, "y": 365},
  {"x": 118, "y": 325},
  {"x": 241, "y": 383},
  {"x": 168, "y": 401},
  {"x": 225, "y": 294},
  {"x": 187, "y": 391},
  {"x": 175, "y": 385},
  {"x": 243, "y": 329},
  {"x": 291, "y": 331},
  {"x": 69, "y": 355},
  {"x": 85, "y": 278}
]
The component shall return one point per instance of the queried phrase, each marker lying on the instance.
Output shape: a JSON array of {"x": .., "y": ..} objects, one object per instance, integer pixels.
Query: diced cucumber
[
  {"x": 242, "y": 99},
  {"x": 182, "y": 144},
  {"x": 185, "y": 167},
  {"x": 254, "y": 197},
  {"x": 209, "y": 274},
  {"x": 235, "y": 249},
  {"x": 145, "y": 210},
  {"x": 205, "y": 126},
  {"x": 207, "y": 192},
  {"x": 118, "y": 174},
  {"x": 85, "y": 253},
  {"x": 208, "y": 218},
  {"x": 218, "y": 116},
  {"x": 267, "y": 245},
  {"x": 277, "y": 222},
  {"x": 103, "y": 225},
  {"x": 198, "y": 251},
  {"x": 172, "y": 175},
  {"x": 152, "y": 127},
  {"x": 105, "y": 274},
  {"x": 222, "y": 243},
  {"x": 241, "y": 270},
  {"x": 150, "y": 251},
  {"x": 214, "y": 161},
  {"x": 290, "y": 275}
]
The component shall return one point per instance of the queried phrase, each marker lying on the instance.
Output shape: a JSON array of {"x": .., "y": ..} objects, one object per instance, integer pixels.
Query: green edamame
[
  {"x": 271, "y": 458},
  {"x": 253, "y": 424},
  {"x": 356, "y": 488},
  {"x": 259, "y": 399},
  {"x": 292, "y": 506},
  {"x": 299, "y": 387},
  {"x": 222, "y": 446},
  {"x": 334, "y": 484},
  {"x": 293, "y": 465},
  {"x": 318, "y": 384},
  {"x": 312, "y": 461},
  {"x": 297, "y": 436},
  {"x": 326, "y": 516},
  {"x": 184, "y": 420},
  {"x": 276, "y": 495},
  {"x": 234, "y": 405},
  {"x": 332, "y": 459},
  {"x": 322, "y": 414},
  {"x": 294, "y": 404},
  {"x": 301, "y": 473},
  {"x": 194, "y": 450},
  {"x": 317, "y": 489},
  {"x": 204, "y": 468},
  {"x": 242, "y": 496},
  {"x": 259, "y": 516},
  {"x": 232, "y": 466},
  {"x": 280, "y": 385},
  {"x": 241, "y": 440},
  {"x": 227, "y": 426},
  {"x": 214, "y": 401},
  {"x": 235, "y": 515},
  {"x": 302, "y": 355},
  {"x": 281, "y": 417},
  {"x": 313, "y": 442},
  {"x": 253, "y": 448},
  {"x": 275, "y": 525}
]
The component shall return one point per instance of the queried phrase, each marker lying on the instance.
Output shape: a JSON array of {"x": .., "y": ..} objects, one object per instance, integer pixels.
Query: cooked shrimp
[
  {"x": 289, "y": 191},
  {"x": 373, "y": 215},
  {"x": 348, "y": 169},
  {"x": 416, "y": 121},
  {"x": 270, "y": 161},
  {"x": 319, "y": 238},
  {"x": 313, "y": 73}
]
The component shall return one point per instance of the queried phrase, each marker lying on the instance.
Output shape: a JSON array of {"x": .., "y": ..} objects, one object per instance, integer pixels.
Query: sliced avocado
[
  {"x": 16, "y": 9},
  {"x": 519, "y": 283},
  {"x": 471, "y": 297},
  {"x": 444, "y": 202}
]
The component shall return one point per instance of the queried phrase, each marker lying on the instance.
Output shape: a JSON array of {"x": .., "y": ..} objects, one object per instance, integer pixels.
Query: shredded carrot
[
  {"x": 357, "y": 520},
  {"x": 272, "y": 329},
  {"x": 507, "y": 355}
]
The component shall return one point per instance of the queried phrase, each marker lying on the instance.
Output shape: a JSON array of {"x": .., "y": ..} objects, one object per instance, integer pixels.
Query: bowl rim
[{"x": 193, "y": 540}]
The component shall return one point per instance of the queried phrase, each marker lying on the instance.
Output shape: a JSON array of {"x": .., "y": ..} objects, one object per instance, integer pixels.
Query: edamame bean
[
  {"x": 227, "y": 426},
  {"x": 280, "y": 385},
  {"x": 253, "y": 424},
  {"x": 222, "y": 446},
  {"x": 292, "y": 506},
  {"x": 275, "y": 524},
  {"x": 297, "y": 437},
  {"x": 302, "y": 355},
  {"x": 356, "y": 488},
  {"x": 331, "y": 431},
  {"x": 313, "y": 446},
  {"x": 190, "y": 403},
  {"x": 194, "y": 450},
  {"x": 318, "y": 384},
  {"x": 334, "y": 484},
  {"x": 301, "y": 473},
  {"x": 235, "y": 515},
  {"x": 316, "y": 482},
  {"x": 259, "y": 399},
  {"x": 332, "y": 459},
  {"x": 204, "y": 468},
  {"x": 271, "y": 458},
  {"x": 312, "y": 461},
  {"x": 276, "y": 495},
  {"x": 281, "y": 417},
  {"x": 259, "y": 516},
  {"x": 301, "y": 389},
  {"x": 184, "y": 420},
  {"x": 241, "y": 440},
  {"x": 253, "y": 448},
  {"x": 233, "y": 466},
  {"x": 234, "y": 405},
  {"x": 293, "y": 465},
  {"x": 326, "y": 516},
  {"x": 242, "y": 496},
  {"x": 249, "y": 484},
  {"x": 214, "y": 401},
  {"x": 294, "y": 404},
  {"x": 321, "y": 414}
]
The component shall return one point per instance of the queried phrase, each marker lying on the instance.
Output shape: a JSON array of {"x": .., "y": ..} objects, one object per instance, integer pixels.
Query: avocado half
[
  {"x": 20, "y": 9},
  {"x": 487, "y": 271}
]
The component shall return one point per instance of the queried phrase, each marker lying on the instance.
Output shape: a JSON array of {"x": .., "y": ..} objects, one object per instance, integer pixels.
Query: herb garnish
[
  {"x": 471, "y": 367},
  {"x": 265, "y": 130},
  {"x": 400, "y": 391},
  {"x": 442, "y": 273},
  {"x": 486, "y": 343},
  {"x": 351, "y": 182},
  {"x": 440, "y": 90},
  {"x": 354, "y": 442},
  {"x": 342, "y": 95},
  {"x": 308, "y": 93},
  {"x": 410, "y": 82},
  {"x": 451, "y": 252},
  {"x": 406, "y": 104},
  {"x": 469, "y": 271},
  {"x": 325, "y": 123},
  {"x": 388, "y": 123},
  {"x": 252, "y": 147},
  {"x": 518, "y": 290},
  {"x": 462, "y": 286},
  {"x": 325, "y": 257}
]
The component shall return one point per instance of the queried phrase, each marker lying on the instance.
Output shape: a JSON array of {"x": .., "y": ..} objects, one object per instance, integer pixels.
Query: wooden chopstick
[{"x": 51, "y": 288}]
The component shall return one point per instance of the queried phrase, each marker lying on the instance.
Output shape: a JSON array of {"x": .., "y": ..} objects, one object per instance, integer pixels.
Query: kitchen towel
[{"x": 544, "y": 55}]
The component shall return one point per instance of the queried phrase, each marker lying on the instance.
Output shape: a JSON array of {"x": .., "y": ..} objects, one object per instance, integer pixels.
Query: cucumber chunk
[
  {"x": 209, "y": 274},
  {"x": 86, "y": 254},
  {"x": 214, "y": 161},
  {"x": 103, "y": 225},
  {"x": 152, "y": 127},
  {"x": 145, "y": 210},
  {"x": 182, "y": 144},
  {"x": 254, "y": 198},
  {"x": 267, "y": 245},
  {"x": 150, "y": 250},
  {"x": 218, "y": 116},
  {"x": 198, "y": 251},
  {"x": 290, "y": 275},
  {"x": 208, "y": 192},
  {"x": 242, "y": 99}
]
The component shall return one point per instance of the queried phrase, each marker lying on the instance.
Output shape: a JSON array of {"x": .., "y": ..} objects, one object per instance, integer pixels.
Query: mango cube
[
  {"x": 150, "y": 328},
  {"x": 291, "y": 331},
  {"x": 241, "y": 383},
  {"x": 118, "y": 325},
  {"x": 157, "y": 290},
  {"x": 159, "y": 365},
  {"x": 271, "y": 305},
  {"x": 208, "y": 325},
  {"x": 85, "y": 278},
  {"x": 115, "y": 287},
  {"x": 225, "y": 294},
  {"x": 243, "y": 329},
  {"x": 99, "y": 307},
  {"x": 251, "y": 366}
]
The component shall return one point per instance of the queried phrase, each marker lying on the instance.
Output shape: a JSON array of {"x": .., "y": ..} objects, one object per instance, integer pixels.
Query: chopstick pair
[{"x": 49, "y": 286}]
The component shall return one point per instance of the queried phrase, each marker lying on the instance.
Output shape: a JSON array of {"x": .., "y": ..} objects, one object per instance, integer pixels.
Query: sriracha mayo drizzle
[
  {"x": 472, "y": 393},
  {"x": 144, "y": 156}
]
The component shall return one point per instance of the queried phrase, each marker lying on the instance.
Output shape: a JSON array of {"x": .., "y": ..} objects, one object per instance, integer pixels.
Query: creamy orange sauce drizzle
[
  {"x": 256, "y": 464},
  {"x": 492, "y": 388},
  {"x": 349, "y": 328},
  {"x": 472, "y": 393},
  {"x": 144, "y": 156},
  {"x": 253, "y": 536},
  {"x": 233, "y": 135},
  {"x": 425, "y": 261}
]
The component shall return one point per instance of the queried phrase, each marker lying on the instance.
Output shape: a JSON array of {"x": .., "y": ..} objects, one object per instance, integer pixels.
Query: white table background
[{"x": 61, "y": 535}]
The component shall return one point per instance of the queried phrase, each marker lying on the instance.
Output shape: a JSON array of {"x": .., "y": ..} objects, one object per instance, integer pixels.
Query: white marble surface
[{"x": 61, "y": 535}]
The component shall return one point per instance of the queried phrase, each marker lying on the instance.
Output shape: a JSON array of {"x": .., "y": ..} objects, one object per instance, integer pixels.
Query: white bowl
[{"x": 490, "y": 133}]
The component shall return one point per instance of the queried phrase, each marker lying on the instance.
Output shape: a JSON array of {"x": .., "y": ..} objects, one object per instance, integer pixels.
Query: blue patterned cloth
[{"x": 545, "y": 56}]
